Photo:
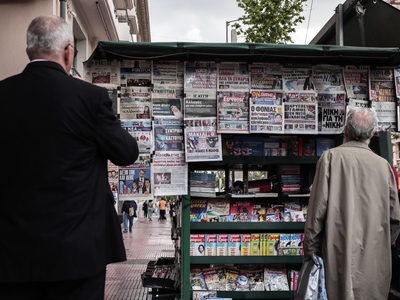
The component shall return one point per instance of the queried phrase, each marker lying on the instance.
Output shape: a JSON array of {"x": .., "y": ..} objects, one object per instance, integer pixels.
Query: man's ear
[
  {"x": 372, "y": 134},
  {"x": 67, "y": 59}
]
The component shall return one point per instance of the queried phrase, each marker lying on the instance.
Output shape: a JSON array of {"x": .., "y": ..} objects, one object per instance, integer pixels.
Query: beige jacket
[{"x": 353, "y": 218}]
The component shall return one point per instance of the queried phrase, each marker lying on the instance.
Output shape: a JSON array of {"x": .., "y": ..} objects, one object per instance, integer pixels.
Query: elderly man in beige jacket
[{"x": 353, "y": 214}]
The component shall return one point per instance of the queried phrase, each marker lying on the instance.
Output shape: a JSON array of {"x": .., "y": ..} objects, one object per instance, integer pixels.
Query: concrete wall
[{"x": 15, "y": 17}]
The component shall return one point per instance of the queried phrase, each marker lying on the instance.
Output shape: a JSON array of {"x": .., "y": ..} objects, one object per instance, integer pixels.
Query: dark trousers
[
  {"x": 162, "y": 214},
  {"x": 90, "y": 288}
]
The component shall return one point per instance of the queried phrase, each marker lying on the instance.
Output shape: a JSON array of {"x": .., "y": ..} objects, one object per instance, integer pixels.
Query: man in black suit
[{"x": 58, "y": 224}]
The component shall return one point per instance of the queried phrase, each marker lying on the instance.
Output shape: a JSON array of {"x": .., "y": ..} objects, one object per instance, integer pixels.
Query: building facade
[{"x": 91, "y": 21}]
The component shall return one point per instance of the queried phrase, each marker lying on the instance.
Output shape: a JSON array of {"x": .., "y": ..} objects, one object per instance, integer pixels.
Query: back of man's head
[
  {"x": 361, "y": 124},
  {"x": 47, "y": 37}
]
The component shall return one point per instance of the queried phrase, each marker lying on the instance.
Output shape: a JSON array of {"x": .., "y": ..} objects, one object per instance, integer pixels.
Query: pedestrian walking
[
  {"x": 163, "y": 207},
  {"x": 157, "y": 209},
  {"x": 129, "y": 213},
  {"x": 144, "y": 208},
  {"x": 150, "y": 211}
]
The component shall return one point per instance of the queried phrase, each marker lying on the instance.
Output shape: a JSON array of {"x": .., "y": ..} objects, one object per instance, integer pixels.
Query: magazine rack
[{"x": 380, "y": 144}]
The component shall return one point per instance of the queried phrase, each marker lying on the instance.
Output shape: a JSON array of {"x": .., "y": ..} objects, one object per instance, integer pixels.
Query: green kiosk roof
[{"x": 248, "y": 52}]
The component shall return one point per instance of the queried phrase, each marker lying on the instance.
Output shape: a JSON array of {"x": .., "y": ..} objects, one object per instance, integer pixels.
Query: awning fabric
[{"x": 248, "y": 52}]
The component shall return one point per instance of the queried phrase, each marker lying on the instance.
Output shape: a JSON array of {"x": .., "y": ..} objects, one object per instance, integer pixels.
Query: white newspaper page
[
  {"x": 300, "y": 109},
  {"x": 266, "y": 111},
  {"x": 170, "y": 174},
  {"x": 331, "y": 112}
]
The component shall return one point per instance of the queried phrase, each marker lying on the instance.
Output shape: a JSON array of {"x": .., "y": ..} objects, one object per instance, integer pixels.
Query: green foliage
[
  {"x": 257, "y": 175},
  {"x": 269, "y": 21}
]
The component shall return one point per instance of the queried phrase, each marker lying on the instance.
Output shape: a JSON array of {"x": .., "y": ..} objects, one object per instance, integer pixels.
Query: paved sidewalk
[{"x": 148, "y": 241}]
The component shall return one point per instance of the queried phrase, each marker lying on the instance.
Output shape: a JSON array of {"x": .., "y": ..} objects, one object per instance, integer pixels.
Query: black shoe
[{"x": 130, "y": 231}]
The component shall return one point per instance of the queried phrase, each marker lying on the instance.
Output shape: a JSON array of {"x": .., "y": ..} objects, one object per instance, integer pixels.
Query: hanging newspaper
[
  {"x": 103, "y": 72},
  {"x": 397, "y": 87},
  {"x": 357, "y": 102},
  {"x": 113, "y": 94},
  {"x": 134, "y": 183},
  {"x": 300, "y": 112},
  {"x": 383, "y": 97},
  {"x": 167, "y": 73},
  {"x": 266, "y": 112},
  {"x": 297, "y": 79},
  {"x": 233, "y": 112},
  {"x": 200, "y": 75},
  {"x": 386, "y": 114},
  {"x": 328, "y": 78},
  {"x": 167, "y": 91},
  {"x": 141, "y": 131},
  {"x": 200, "y": 104},
  {"x": 356, "y": 82},
  {"x": 135, "y": 73},
  {"x": 170, "y": 174},
  {"x": 397, "y": 81},
  {"x": 331, "y": 112},
  {"x": 113, "y": 179},
  {"x": 233, "y": 76},
  {"x": 165, "y": 108},
  {"x": 266, "y": 77},
  {"x": 168, "y": 134},
  {"x": 203, "y": 143},
  {"x": 135, "y": 103},
  {"x": 381, "y": 83}
]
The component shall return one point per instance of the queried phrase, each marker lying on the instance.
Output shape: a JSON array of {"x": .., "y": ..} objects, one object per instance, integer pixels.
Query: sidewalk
[{"x": 148, "y": 241}]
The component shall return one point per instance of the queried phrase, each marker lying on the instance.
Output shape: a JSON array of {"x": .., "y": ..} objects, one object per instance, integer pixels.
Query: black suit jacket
[{"x": 57, "y": 216}]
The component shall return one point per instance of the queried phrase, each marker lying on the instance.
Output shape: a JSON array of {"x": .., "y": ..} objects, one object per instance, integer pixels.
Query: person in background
[
  {"x": 150, "y": 211},
  {"x": 145, "y": 208},
  {"x": 156, "y": 209},
  {"x": 353, "y": 214},
  {"x": 57, "y": 237},
  {"x": 163, "y": 207},
  {"x": 171, "y": 208},
  {"x": 128, "y": 218}
]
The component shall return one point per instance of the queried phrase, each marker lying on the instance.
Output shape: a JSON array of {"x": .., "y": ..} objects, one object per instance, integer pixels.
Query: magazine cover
[
  {"x": 218, "y": 207},
  {"x": 210, "y": 245},
  {"x": 222, "y": 278},
  {"x": 222, "y": 244},
  {"x": 203, "y": 295},
  {"x": 197, "y": 281},
  {"x": 255, "y": 244},
  {"x": 245, "y": 244},
  {"x": 211, "y": 277},
  {"x": 242, "y": 281},
  {"x": 275, "y": 279},
  {"x": 231, "y": 279},
  {"x": 198, "y": 210},
  {"x": 197, "y": 246},
  {"x": 256, "y": 280},
  {"x": 241, "y": 206},
  {"x": 272, "y": 244},
  {"x": 234, "y": 244}
]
